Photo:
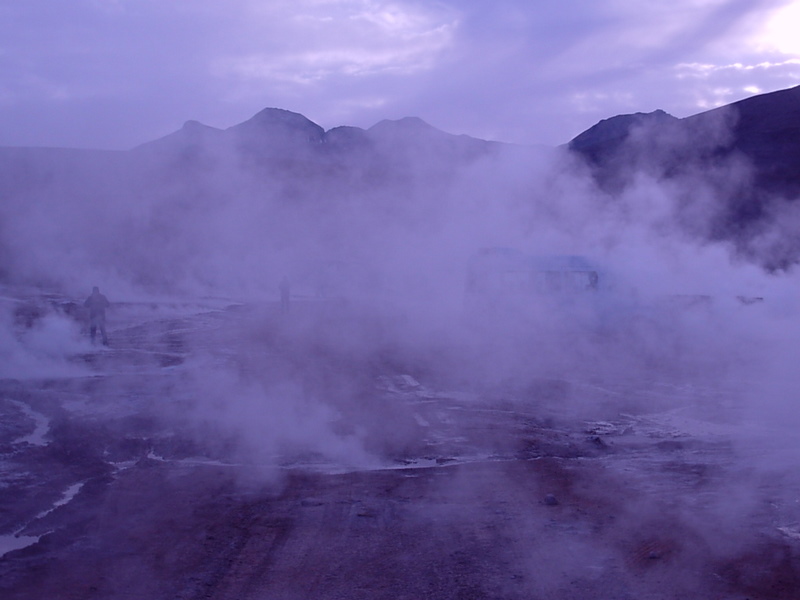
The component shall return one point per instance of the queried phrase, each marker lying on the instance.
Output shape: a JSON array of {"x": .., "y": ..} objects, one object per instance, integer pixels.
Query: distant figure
[
  {"x": 285, "y": 294},
  {"x": 97, "y": 304}
]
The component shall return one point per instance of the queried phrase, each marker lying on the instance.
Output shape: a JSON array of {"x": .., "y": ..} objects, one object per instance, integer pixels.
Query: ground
[{"x": 117, "y": 482}]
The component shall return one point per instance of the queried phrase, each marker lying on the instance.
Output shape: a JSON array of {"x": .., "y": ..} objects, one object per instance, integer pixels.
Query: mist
[
  {"x": 381, "y": 237},
  {"x": 378, "y": 233}
]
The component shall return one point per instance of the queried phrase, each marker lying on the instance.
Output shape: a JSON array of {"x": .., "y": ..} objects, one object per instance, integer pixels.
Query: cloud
[
  {"x": 720, "y": 84},
  {"x": 349, "y": 39},
  {"x": 779, "y": 32},
  {"x": 116, "y": 73}
]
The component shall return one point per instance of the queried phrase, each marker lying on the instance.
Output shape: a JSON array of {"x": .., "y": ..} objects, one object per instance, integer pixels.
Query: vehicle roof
[{"x": 516, "y": 259}]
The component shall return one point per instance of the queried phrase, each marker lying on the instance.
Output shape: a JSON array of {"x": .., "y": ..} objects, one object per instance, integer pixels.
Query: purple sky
[{"x": 116, "y": 73}]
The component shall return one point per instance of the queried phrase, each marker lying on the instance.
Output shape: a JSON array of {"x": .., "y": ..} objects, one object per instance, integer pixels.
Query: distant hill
[
  {"x": 765, "y": 129},
  {"x": 275, "y": 185},
  {"x": 602, "y": 141},
  {"x": 740, "y": 163},
  {"x": 282, "y": 134},
  {"x": 275, "y": 145}
]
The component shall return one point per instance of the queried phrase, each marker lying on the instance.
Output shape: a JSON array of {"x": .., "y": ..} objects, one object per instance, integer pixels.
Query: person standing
[
  {"x": 97, "y": 304},
  {"x": 285, "y": 294}
]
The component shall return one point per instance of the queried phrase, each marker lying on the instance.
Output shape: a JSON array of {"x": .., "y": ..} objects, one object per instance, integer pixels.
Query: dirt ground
[{"x": 473, "y": 495}]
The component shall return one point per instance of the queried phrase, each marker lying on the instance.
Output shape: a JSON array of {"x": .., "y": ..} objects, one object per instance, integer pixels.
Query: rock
[
  {"x": 550, "y": 500},
  {"x": 597, "y": 441}
]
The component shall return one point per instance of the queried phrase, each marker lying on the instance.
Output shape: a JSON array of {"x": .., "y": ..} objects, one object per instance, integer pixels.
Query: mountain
[
  {"x": 763, "y": 129},
  {"x": 605, "y": 138},
  {"x": 273, "y": 185},
  {"x": 282, "y": 146},
  {"x": 278, "y": 132},
  {"x": 735, "y": 169},
  {"x": 275, "y": 146}
]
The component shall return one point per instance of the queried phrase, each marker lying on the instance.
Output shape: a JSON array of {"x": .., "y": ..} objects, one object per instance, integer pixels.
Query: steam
[
  {"x": 377, "y": 247},
  {"x": 40, "y": 351}
]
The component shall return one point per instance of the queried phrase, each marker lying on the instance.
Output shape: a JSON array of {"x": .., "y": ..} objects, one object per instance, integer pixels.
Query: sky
[{"x": 112, "y": 74}]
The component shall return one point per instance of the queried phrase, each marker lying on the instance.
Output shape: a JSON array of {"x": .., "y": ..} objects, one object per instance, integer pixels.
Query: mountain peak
[
  {"x": 192, "y": 133},
  {"x": 616, "y": 129},
  {"x": 193, "y": 125},
  {"x": 405, "y": 125},
  {"x": 271, "y": 115},
  {"x": 279, "y": 123}
]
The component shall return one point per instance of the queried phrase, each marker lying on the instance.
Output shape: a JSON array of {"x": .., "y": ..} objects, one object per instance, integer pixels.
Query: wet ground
[{"x": 164, "y": 467}]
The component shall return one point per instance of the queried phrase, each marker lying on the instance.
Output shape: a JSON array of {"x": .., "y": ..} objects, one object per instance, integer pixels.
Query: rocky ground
[{"x": 116, "y": 483}]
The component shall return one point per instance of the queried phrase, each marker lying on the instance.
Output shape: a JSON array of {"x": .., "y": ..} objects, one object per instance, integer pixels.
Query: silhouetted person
[
  {"x": 285, "y": 294},
  {"x": 97, "y": 304}
]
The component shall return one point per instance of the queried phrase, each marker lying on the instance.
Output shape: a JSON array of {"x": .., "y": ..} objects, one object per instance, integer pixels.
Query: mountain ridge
[
  {"x": 732, "y": 173},
  {"x": 744, "y": 156},
  {"x": 764, "y": 129}
]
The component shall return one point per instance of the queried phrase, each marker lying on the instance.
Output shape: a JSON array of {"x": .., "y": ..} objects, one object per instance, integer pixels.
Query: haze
[{"x": 351, "y": 355}]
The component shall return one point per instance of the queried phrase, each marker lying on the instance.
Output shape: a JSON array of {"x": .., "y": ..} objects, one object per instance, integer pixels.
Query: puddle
[
  {"x": 16, "y": 542},
  {"x": 41, "y": 429}
]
